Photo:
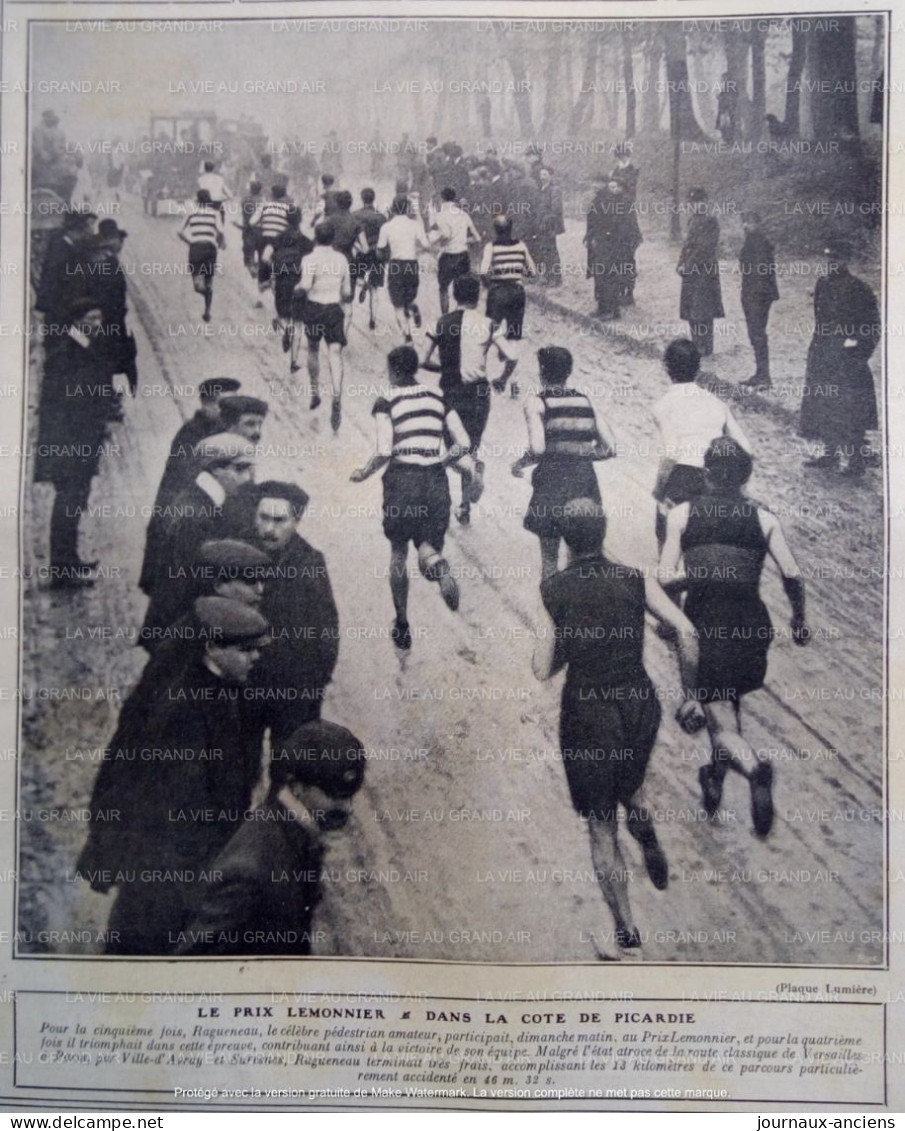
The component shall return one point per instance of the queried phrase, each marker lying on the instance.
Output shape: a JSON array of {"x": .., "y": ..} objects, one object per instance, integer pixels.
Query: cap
[
  {"x": 230, "y": 558},
  {"x": 223, "y": 447},
  {"x": 555, "y": 362},
  {"x": 277, "y": 489},
  {"x": 50, "y": 118},
  {"x": 623, "y": 149},
  {"x": 230, "y": 622},
  {"x": 697, "y": 195},
  {"x": 232, "y": 407},
  {"x": 79, "y": 307},
  {"x": 323, "y": 754},
  {"x": 109, "y": 229},
  {"x": 218, "y": 387}
]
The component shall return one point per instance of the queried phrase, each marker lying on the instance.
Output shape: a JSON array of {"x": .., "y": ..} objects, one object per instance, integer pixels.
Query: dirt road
[{"x": 464, "y": 844}]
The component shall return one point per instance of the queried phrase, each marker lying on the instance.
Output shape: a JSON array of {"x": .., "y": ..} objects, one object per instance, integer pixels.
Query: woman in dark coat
[{"x": 701, "y": 300}]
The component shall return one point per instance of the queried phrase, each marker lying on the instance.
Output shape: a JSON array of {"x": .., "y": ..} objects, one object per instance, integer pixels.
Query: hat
[
  {"x": 623, "y": 149},
  {"x": 218, "y": 387},
  {"x": 223, "y": 447},
  {"x": 275, "y": 489},
  {"x": 697, "y": 195},
  {"x": 231, "y": 559},
  {"x": 838, "y": 248},
  {"x": 232, "y": 407},
  {"x": 79, "y": 307},
  {"x": 323, "y": 754},
  {"x": 230, "y": 622},
  {"x": 109, "y": 230},
  {"x": 50, "y": 118},
  {"x": 555, "y": 362}
]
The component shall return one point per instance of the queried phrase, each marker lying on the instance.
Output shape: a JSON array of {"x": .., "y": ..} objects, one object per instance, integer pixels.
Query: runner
[
  {"x": 689, "y": 419},
  {"x": 455, "y": 232},
  {"x": 203, "y": 232},
  {"x": 248, "y": 207},
  {"x": 215, "y": 185},
  {"x": 715, "y": 550},
  {"x": 289, "y": 249},
  {"x": 327, "y": 287},
  {"x": 345, "y": 236},
  {"x": 411, "y": 422},
  {"x": 506, "y": 263},
  {"x": 592, "y": 624},
  {"x": 565, "y": 436},
  {"x": 271, "y": 219},
  {"x": 367, "y": 268},
  {"x": 400, "y": 238},
  {"x": 464, "y": 339}
]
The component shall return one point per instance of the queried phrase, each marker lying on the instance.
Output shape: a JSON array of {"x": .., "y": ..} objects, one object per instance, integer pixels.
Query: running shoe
[
  {"x": 336, "y": 414},
  {"x": 463, "y": 514},
  {"x": 315, "y": 401},
  {"x": 449, "y": 590},
  {"x": 711, "y": 789},
  {"x": 656, "y": 863},
  {"x": 761, "y": 782},
  {"x": 628, "y": 938},
  {"x": 416, "y": 315},
  {"x": 287, "y": 341},
  {"x": 401, "y": 634}
]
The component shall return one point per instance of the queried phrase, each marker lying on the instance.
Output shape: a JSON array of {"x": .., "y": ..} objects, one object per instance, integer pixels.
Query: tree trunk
[
  {"x": 552, "y": 86},
  {"x": 793, "y": 79},
  {"x": 836, "y": 104},
  {"x": 735, "y": 45},
  {"x": 628, "y": 77},
  {"x": 650, "y": 108},
  {"x": 683, "y": 123},
  {"x": 521, "y": 96},
  {"x": 758, "y": 83},
  {"x": 584, "y": 104}
]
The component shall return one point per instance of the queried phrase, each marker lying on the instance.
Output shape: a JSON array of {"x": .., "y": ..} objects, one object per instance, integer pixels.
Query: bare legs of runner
[{"x": 730, "y": 751}]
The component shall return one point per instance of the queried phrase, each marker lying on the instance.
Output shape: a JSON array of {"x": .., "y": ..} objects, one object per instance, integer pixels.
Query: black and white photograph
[{"x": 454, "y": 490}]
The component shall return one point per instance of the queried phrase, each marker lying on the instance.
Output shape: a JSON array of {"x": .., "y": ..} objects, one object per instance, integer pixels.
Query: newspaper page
[{"x": 451, "y": 556}]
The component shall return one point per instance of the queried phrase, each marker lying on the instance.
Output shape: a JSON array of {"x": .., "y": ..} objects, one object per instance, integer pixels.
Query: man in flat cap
[
  {"x": 266, "y": 882},
  {"x": 175, "y": 783},
  {"x": 243, "y": 415},
  {"x": 839, "y": 403},
  {"x": 225, "y": 462},
  {"x": 701, "y": 299},
  {"x": 108, "y": 286},
  {"x": 299, "y": 605},
  {"x": 225, "y": 567},
  {"x": 180, "y": 466},
  {"x": 757, "y": 265},
  {"x": 77, "y": 403}
]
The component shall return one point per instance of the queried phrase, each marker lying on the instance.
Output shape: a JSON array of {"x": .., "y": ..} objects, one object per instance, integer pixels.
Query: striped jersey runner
[
  {"x": 570, "y": 428},
  {"x": 417, "y": 415},
  {"x": 202, "y": 225},
  {"x": 509, "y": 262},
  {"x": 273, "y": 220}
]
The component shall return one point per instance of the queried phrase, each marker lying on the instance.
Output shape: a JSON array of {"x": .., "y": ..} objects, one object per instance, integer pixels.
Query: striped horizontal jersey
[
  {"x": 203, "y": 225},
  {"x": 417, "y": 415},
  {"x": 570, "y": 428},
  {"x": 507, "y": 262},
  {"x": 271, "y": 218}
]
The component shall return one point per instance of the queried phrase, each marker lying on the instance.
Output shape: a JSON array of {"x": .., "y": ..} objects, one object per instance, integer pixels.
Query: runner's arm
[
  {"x": 458, "y": 453},
  {"x": 544, "y": 662},
  {"x": 778, "y": 549},
  {"x": 733, "y": 430},
  {"x": 384, "y": 451},
  {"x": 345, "y": 286},
  {"x": 537, "y": 444},
  {"x": 606, "y": 441},
  {"x": 669, "y": 614}
]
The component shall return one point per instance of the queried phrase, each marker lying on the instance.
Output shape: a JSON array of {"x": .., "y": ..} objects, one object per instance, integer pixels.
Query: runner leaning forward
[
  {"x": 203, "y": 232},
  {"x": 565, "y": 436},
  {"x": 411, "y": 424},
  {"x": 592, "y": 624},
  {"x": 715, "y": 550},
  {"x": 464, "y": 339}
]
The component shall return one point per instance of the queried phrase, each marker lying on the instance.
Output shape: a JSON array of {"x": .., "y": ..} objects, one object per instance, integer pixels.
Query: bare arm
[
  {"x": 733, "y": 430},
  {"x": 537, "y": 444},
  {"x": 606, "y": 441},
  {"x": 778, "y": 549},
  {"x": 544, "y": 662},
  {"x": 384, "y": 452},
  {"x": 669, "y": 614},
  {"x": 671, "y": 570},
  {"x": 458, "y": 453}
]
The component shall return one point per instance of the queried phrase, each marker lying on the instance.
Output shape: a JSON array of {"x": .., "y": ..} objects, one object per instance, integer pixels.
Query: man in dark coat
[
  {"x": 108, "y": 286},
  {"x": 759, "y": 291},
  {"x": 63, "y": 278},
  {"x": 612, "y": 239},
  {"x": 298, "y": 603},
  {"x": 195, "y": 515},
  {"x": 180, "y": 467},
  {"x": 839, "y": 403},
  {"x": 701, "y": 299},
  {"x": 550, "y": 224},
  {"x": 77, "y": 403},
  {"x": 266, "y": 882},
  {"x": 175, "y": 783}
]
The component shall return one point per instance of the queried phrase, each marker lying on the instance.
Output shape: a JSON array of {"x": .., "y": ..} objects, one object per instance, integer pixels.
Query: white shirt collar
[
  {"x": 211, "y": 487},
  {"x": 77, "y": 336}
]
